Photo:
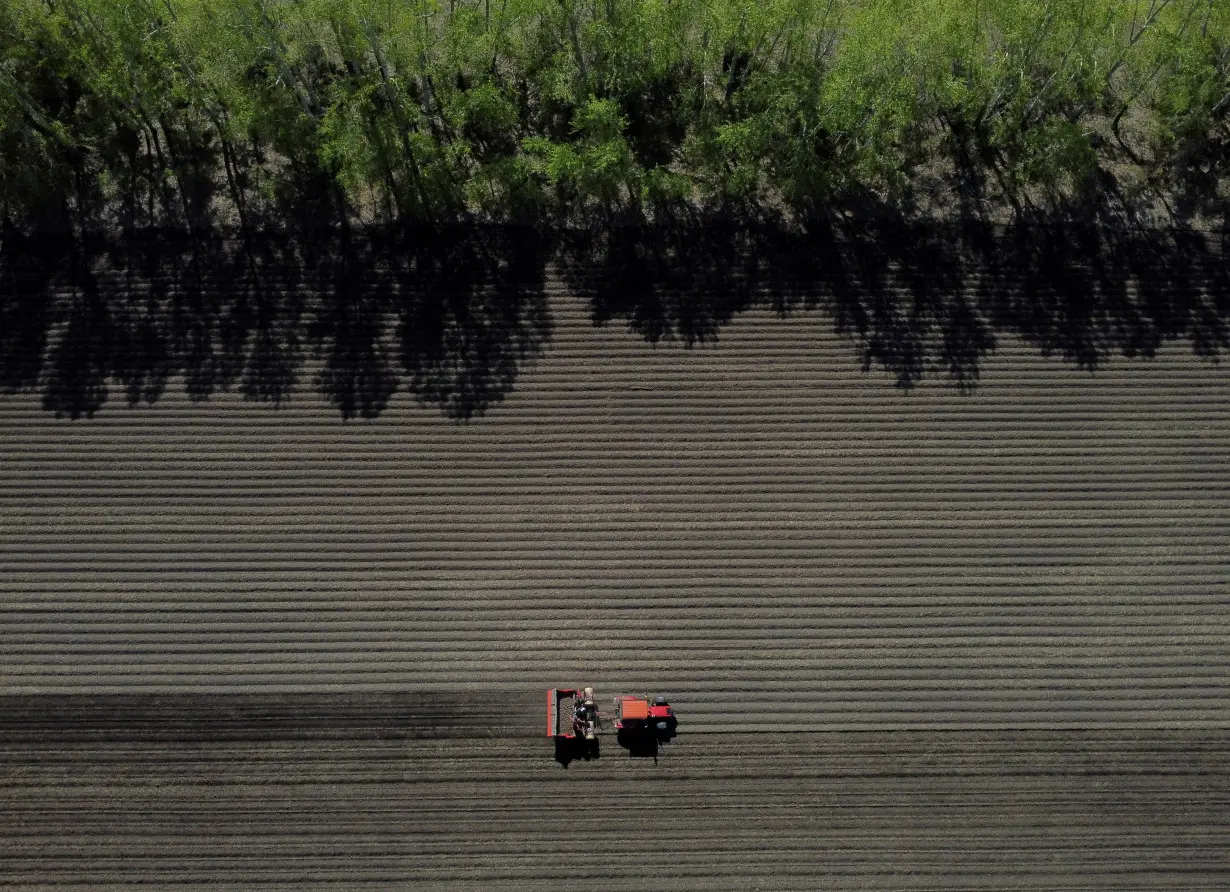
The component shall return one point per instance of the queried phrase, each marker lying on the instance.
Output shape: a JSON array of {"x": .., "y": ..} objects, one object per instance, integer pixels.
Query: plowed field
[
  {"x": 917, "y": 640},
  {"x": 388, "y": 792}
]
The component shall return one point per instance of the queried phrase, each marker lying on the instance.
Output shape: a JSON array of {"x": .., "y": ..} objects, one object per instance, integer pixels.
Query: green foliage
[
  {"x": 1191, "y": 103},
  {"x": 148, "y": 111}
]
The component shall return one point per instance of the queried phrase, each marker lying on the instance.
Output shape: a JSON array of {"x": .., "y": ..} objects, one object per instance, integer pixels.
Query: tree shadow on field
[
  {"x": 1086, "y": 292},
  {"x": 918, "y": 299},
  {"x": 136, "y": 308},
  {"x": 452, "y": 314},
  {"x": 669, "y": 282},
  {"x": 26, "y": 267},
  {"x": 475, "y": 312}
]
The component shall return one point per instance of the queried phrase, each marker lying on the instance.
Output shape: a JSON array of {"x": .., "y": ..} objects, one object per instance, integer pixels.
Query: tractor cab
[
  {"x": 638, "y": 714},
  {"x": 660, "y": 714}
]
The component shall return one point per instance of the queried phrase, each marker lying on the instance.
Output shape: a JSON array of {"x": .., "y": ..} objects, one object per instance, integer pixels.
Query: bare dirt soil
[
  {"x": 916, "y": 640},
  {"x": 755, "y": 528},
  {"x": 233, "y": 792}
]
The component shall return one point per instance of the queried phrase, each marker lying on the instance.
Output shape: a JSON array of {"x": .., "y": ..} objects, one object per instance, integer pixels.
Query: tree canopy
[{"x": 191, "y": 113}]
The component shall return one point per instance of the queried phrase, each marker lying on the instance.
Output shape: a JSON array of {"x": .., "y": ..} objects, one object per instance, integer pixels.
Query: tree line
[
  {"x": 194, "y": 114},
  {"x": 230, "y": 191}
]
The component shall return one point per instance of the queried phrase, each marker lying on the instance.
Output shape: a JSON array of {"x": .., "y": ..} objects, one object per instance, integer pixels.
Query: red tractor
[
  {"x": 638, "y": 714},
  {"x": 573, "y": 722}
]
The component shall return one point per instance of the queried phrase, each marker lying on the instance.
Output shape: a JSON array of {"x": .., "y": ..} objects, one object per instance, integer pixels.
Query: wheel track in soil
[{"x": 451, "y": 792}]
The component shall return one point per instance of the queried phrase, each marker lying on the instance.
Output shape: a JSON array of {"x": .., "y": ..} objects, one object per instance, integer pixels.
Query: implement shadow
[{"x": 577, "y": 749}]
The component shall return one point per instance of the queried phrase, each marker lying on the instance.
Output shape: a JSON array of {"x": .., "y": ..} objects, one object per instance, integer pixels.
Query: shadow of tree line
[
  {"x": 451, "y": 313},
  {"x": 447, "y": 313},
  {"x": 919, "y": 298}
]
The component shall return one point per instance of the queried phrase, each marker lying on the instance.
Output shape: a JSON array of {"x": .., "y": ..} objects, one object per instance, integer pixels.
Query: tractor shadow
[
  {"x": 645, "y": 743},
  {"x": 569, "y": 750}
]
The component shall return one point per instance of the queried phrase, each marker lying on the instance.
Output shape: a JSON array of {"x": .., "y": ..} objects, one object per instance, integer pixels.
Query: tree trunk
[
  {"x": 399, "y": 118},
  {"x": 232, "y": 180},
  {"x": 149, "y": 179},
  {"x": 1114, "y": 128},
  {"x": 392, "y": 199},
  {"x": 290, "y": 74},
  {"x": 191, "y": 217},
  {"x": 570, "y": 22}
]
